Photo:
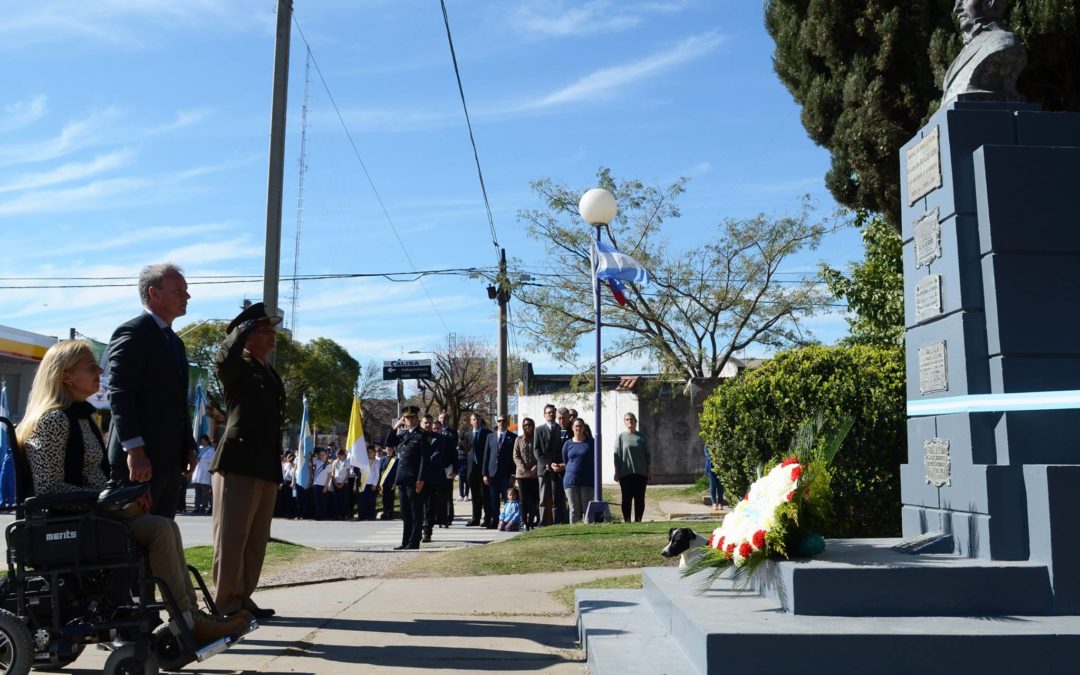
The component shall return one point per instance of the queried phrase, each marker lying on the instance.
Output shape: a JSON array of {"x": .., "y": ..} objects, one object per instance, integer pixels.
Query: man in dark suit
[
  {"x": 548, "y": 448},
  {"x": 151, "y": 439},
  {"x": 498, "y": 466},
  {"x": 452, "y": 438},
  {"x": 413, "y": 447},
  {"x": 387, "y": 478},
  {"x": 246, "y": 469},
  {"x": 477, "y": 441}
]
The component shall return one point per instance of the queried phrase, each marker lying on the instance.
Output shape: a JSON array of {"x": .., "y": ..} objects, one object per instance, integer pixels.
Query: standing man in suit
[
  {"x": 413, "y": 447},
  {"x": 498, "y": 467},
  {"x": 247, "y": 469},
  {"x": 548, "y": 448},
  {"x": 452, "y": 438},
  {"x": 150, "y": 440},
  {"x": 387, "y": 477},
  {"x": 477, "y": 441}
]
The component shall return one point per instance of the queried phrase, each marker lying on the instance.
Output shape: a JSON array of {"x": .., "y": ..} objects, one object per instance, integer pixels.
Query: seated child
[{"x": 510, "y": 518}]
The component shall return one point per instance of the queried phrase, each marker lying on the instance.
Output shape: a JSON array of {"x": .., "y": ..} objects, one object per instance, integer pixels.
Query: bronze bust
[{"x": 992, "y": 58}]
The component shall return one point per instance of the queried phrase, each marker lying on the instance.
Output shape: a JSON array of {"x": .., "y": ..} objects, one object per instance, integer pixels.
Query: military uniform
[
  {"x": 247, "y": 467},
  {"x": 413, "y": 446}
]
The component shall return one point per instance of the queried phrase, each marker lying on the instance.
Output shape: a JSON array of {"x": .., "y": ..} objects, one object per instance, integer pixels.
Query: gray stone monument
[{"x": 987, "y": 577}]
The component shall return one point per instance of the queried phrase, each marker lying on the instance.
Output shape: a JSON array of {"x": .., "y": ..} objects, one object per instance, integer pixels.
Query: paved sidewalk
[{"x": 498, "y": 624}]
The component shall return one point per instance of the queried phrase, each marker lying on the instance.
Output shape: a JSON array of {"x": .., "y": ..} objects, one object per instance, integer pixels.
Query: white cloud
[
  {"x": 73, "y": 136},
  {"x": 560, "y": 19},
  {"x": 22, "y": 113},
  {"x": 603, "y": 82},
  {"x": 67, "y": 172},
  {"x": 184, "y": 118},
  {"x": 124, "y": 23}
]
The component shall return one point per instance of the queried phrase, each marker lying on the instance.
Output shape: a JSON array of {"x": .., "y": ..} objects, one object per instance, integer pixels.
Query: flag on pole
[
  {"x": 200, "y": 424},
  {"x": 618, "y": 289},
  {"x": 304, "y": 450},
  {"x": 7, "y": 467},
  {"x": 355, "y": 441},
  {"x": 611, "y": 264}
]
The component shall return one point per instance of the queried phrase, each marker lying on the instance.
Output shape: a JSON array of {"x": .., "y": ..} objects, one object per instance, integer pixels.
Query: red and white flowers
[{"x": 743, "y": 534}]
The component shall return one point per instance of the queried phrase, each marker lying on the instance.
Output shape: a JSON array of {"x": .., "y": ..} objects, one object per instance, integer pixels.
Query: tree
[
  {"x": 463, "y": 379},
  {"x": 873, "y": 288},
  {"x": 704, "y": 304},
  {"x": 377, "y": 402},
  {"x": 868, "y": 76},
  {"x": 328, "y": 375},
  {"x": 202, "y": 342}
]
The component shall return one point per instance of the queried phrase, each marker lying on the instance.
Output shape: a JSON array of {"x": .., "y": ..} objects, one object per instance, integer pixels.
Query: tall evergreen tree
[{"x": 868, "y": 73}]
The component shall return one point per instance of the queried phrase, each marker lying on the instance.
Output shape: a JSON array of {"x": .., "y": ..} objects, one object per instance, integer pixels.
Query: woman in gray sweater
[{"x": 633, "y": 467}]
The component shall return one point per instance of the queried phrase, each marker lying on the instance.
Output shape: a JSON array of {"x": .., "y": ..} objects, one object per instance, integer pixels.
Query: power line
[
  {"x": 468, "y": 122},
  {"x": 363, "y": 166}
]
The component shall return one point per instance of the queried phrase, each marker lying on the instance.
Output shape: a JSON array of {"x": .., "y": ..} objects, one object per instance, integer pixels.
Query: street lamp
[{"x": 598, "y": 208}]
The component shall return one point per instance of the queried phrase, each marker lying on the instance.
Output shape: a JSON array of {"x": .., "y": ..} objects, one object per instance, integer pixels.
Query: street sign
[{"x": 406, "y": 370}]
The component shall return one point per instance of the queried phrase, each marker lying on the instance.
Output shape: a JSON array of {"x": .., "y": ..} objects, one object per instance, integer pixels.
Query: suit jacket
[
  {"x": 255, "y": 409},
  {"x": 990, "y": 62},
  {"x": 499, "y": 457},
  {"x": 477, "y": 443},
  {"x": 547, "y": 446},
  {"x": 148, "y": 397}
]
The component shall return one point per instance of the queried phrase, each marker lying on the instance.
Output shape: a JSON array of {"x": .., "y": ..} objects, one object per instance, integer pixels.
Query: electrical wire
[
  {"x": 468, "y": 123},
  {"x": 371, "y": 182}
]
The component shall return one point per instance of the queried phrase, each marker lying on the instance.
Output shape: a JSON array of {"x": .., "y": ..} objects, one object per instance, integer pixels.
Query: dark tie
[{"x": 173, "y": 341}]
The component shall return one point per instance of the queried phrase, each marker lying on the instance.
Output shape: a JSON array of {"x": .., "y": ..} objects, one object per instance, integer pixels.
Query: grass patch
[
  {"x": 690, "y": 494},
  {"x": 565, "y": 595},
  {"x": 279, "y": 554},
  {"x": 548, "y": 549}
]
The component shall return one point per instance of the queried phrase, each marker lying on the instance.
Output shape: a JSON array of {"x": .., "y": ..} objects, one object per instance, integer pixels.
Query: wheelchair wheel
[
  {"x": 122, "y": 662},
  {"x": 16, "y": 645},
  {"x": 170, "y": 654}
]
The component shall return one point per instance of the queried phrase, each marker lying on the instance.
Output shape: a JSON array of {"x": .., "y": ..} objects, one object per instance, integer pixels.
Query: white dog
[{"x": 681, "y": 542}]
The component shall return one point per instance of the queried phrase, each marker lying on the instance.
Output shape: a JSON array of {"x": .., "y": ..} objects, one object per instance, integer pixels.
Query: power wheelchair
[{"x": 75, "y": 576}]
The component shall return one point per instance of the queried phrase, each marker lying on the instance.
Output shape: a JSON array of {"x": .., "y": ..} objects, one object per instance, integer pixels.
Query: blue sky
[{"x": 136, "y": 131}]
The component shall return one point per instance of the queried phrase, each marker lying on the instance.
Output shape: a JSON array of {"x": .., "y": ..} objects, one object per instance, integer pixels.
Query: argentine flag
[
  {"x": 303, "y": 452},
  {"x": 613, "y": 265}
]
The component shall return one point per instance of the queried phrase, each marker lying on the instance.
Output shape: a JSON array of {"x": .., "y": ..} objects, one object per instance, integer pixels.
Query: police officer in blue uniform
[{"x": 413, "y": 445}]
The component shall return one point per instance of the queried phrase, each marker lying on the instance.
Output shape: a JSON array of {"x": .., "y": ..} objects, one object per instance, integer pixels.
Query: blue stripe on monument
[{"x": 1043, "y": 400}]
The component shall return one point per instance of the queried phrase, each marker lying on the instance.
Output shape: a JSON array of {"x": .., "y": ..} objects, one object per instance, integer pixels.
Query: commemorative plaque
[
  {"x": 933, "y": 368},
  {"x": 936, "y": 462},
  {"x": 928, "y": 297},
  {"x": 923, "y": 167},
  {"x": 927, "y": 239}
]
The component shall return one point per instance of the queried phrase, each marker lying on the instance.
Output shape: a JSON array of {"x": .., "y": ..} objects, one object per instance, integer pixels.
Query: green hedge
[{"x": 752, "y": 419}]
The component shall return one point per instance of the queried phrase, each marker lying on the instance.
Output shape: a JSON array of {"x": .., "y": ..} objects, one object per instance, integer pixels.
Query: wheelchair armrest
[
  {"x": 115, "y": 497},
  {"x": 82, "y": 500}
]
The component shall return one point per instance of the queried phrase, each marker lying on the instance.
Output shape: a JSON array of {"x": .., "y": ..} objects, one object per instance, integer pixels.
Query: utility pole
[
  {"x": 272, "y": 263},
  {"x": 503, "y": 296}
]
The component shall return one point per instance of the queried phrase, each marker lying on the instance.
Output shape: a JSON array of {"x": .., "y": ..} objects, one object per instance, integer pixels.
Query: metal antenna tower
[{"x": 300, "y": 196}]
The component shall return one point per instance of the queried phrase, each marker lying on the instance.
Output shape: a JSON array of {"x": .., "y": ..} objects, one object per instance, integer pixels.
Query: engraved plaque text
[
  {"x": 936, "y": 461},
  {"x": 928, "y": 297},
  {"x": 927, "y": 239},
  {"x": 923, "y": 167},
  {"x": 933, "y": 368}
]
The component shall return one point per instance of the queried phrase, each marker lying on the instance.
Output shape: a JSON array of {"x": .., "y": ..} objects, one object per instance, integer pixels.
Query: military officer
[
  {"x": 413, "y": 446},
  {"x": 247, "y": 468}
]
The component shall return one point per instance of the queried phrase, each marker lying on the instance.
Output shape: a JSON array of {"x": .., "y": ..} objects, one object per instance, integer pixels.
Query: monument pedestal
[{"x": 992, "y": 282}]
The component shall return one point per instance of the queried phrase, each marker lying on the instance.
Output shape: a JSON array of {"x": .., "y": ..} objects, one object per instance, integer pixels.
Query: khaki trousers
[
  {"x": 161, "y": 538},
  {"x": 243, "y": 509}
]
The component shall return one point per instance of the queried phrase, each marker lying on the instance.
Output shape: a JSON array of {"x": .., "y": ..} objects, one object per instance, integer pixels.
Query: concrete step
[
  {"x": 867, "y": 577},
  {"x": 621, "y": 635},
  {"x": 729, "y": 630}
]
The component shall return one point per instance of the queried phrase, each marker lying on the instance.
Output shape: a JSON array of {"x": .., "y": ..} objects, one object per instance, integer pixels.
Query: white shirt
[
  {"x": 201, "y": 475},
  {"x": 322, "y": 473},
  {"x": 342, "y": 470}
]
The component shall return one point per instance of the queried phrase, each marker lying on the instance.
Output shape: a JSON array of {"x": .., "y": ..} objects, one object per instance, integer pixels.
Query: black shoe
[
  {"x": 401, "y": 548},
  {"x": 491, "y": 526},
  {"x": 472, "y": 523},
  {"x": 258, "y": 612}
]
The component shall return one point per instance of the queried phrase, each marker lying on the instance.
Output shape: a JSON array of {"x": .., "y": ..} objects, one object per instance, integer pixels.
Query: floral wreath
[{"x": 780, "y": 513}]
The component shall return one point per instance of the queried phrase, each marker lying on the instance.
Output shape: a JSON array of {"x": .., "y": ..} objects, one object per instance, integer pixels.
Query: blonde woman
[{"x": 66, "y": 453}]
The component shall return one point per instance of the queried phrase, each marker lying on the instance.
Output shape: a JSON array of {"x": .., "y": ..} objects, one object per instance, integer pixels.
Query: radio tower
[{"x": 300, "y": 196}]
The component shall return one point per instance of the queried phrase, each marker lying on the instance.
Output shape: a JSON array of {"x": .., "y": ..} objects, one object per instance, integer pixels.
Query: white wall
[{"x": 614, "y": 404}]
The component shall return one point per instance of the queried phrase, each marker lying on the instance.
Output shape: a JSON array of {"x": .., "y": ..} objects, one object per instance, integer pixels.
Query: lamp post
[{"x": 598, "y": 208}]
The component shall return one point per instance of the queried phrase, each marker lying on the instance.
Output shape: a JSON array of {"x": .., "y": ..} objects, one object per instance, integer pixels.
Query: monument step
[
  {"x": 869, "y": 578},
  {"x": 621, "y": 635},
  {"x": 727, "y": 630}
]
